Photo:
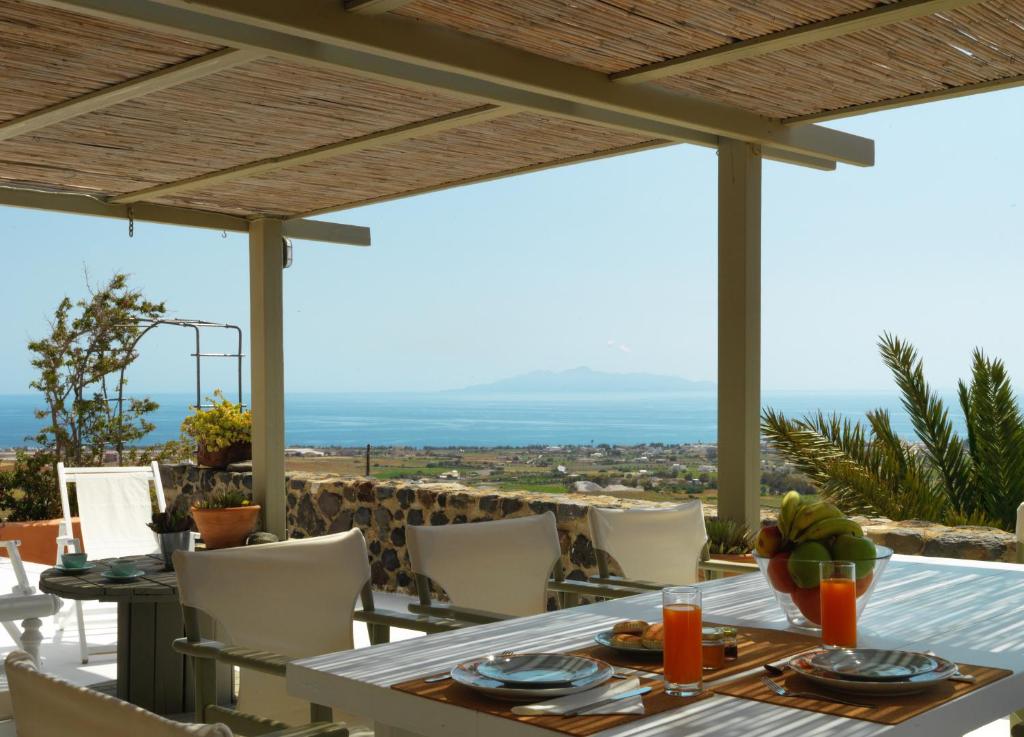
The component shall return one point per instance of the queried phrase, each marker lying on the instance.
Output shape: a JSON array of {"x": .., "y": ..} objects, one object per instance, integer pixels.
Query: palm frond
[{"x": 929, "y": 418}]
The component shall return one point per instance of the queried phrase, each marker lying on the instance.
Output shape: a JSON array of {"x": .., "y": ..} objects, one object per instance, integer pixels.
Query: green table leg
[{"x": 149, "y": 673}]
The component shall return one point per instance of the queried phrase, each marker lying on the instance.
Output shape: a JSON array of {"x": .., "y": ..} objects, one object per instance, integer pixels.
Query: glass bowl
[{"x": 802, "y": 605}]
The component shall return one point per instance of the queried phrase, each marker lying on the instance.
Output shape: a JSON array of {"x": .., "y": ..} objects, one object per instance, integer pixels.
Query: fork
[
  {"x": 448, "y": 674},
  {"x": 783, "y": 691}
]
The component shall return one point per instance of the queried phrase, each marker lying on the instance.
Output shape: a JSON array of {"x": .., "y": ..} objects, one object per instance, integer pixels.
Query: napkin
[{"x": 554, "y": 707}]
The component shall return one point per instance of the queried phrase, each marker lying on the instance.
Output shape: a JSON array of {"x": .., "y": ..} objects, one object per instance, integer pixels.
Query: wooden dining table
[
  {"x": 149, "y": 673},
  {"x": 966, "y": 611}
]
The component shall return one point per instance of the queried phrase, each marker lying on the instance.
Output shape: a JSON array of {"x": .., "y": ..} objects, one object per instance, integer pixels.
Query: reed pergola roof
[{"x": 263, "y": 108}]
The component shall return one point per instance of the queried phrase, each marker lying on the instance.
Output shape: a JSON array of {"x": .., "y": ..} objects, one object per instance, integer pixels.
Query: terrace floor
[{"x": 60, "y": 649}]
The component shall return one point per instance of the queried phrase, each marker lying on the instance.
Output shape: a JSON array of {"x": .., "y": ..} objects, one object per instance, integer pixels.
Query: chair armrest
[
  {"x": 631, "y": 583},
  {"x": 405, "y": 620},
  {"x": 261, "y": 660},
  {"x": 727, "y": 566},
  {"x": 312, "y": 730},
  {"x": 586, "y": 588},
  {"x": 459, "y": 614}
]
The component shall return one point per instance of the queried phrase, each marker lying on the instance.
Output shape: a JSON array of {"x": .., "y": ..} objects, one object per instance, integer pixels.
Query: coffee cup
[
  {"x": 73, "y": 560},
  {"x": 123, "y": 567}
]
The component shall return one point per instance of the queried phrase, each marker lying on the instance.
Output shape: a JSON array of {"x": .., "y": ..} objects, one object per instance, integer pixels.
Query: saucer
[{"x": 75, "y": 571}]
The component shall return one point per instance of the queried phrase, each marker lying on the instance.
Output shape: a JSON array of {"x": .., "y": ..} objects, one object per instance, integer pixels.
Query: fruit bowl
[
  {"x": 790, "y": 553},
  {"x": 802, "y": 604}
]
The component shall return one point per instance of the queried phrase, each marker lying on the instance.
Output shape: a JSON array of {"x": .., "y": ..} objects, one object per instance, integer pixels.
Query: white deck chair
[
  {"x": 45, "y": 706},
  {"x": 26, "y": 604},
  {"x": 489, "y": 570},
  {"x": 114, "y": 506},
  {"x": 271, "y": 603},
  {"x": 657, "y": 546}
]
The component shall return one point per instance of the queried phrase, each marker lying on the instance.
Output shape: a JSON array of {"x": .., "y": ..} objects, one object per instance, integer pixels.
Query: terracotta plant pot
[
  {"x": 234, "y": 453},
  {"x": 226, "y": 528}
]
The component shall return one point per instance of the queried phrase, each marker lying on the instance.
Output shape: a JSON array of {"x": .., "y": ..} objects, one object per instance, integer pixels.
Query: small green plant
[
  {"x": 222, "y": 425},
  {"x": 175, "y": 519},
  {"x": 224, "y": 499},
  {"x": 728, "y": 537}
]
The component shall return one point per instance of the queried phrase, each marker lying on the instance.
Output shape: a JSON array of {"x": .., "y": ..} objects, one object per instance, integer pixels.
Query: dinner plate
[
  {"x": 538, "y": 669},
  {"x": 914, "y": 684},
  {"x": 605, "y": 638},
  {"x": 75, "y": 571},
  {"x": 468, "y": 674},
  {"x": 861, "y": 664}
]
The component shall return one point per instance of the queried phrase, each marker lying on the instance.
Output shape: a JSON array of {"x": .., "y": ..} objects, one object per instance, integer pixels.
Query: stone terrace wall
[{"x": 319, "y": 505}]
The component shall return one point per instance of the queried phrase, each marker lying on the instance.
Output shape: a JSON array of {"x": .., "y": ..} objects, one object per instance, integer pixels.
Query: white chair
[
  {"x": 653, "y": 547},
  {"x": 114, "y": 506},
  {"x": 26, "y": 604},
  {"x": 273, "y": 603},
  {"x": 45, "y": 706},
  {"x": 490, "y": 570}
]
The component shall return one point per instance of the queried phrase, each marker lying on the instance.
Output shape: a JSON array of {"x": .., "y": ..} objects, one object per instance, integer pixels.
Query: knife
[{"x": 604, "y": 702}]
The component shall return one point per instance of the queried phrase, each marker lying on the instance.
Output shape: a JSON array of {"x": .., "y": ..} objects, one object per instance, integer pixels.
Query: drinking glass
[
  {"x": 681, "y": 615},
  {"x": 838, "y": 603}
]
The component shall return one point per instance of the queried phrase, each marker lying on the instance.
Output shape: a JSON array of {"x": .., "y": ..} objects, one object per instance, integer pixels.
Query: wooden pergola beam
[
  {"x": 398, "y": 49},
  {"x": 162, "y": 79},
  {"x": 876, "y": 17},
  {"x": 77, "y": 204},
  {"x": 933, "y": 96},
  {"x": 321, "y": 153},
  {"x": 372, "y": 7}
]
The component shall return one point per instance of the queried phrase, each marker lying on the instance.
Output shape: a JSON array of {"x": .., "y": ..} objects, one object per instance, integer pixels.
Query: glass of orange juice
[
  {"x": 681, "y": 616},
  {"x": 838, "y": 603}
]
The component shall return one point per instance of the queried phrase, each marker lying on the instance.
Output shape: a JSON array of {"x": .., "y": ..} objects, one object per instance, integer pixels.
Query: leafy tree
[
  {"x": 28, "y": 491},
  {"x": 79, "y": 365},
  {"x": 942, "y": 478}
]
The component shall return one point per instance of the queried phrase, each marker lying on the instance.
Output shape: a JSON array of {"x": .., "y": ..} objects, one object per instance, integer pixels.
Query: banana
[
  {"x": 791, "y": 503},
  {"x": 830, "y": 527},
  {"x": 810, "y": 514}
]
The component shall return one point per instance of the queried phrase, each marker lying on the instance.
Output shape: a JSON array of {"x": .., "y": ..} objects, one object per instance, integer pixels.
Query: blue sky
[{"x": 609, "y": 264}]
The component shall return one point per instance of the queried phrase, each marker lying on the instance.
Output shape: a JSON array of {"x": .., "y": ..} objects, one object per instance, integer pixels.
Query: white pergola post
[
  {"x": 266, "y": 330},
  {"x": 739, "y": 331}
]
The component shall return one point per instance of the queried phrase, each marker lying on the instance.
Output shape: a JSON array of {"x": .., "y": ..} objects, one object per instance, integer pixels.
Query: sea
[{"x": 447, "y": 419}]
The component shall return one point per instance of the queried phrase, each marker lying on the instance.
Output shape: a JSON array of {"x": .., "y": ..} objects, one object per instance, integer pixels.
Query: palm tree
[{"x": 943, "y": 478}]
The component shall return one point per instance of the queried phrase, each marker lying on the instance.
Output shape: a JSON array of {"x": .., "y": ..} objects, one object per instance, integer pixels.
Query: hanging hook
[
  {"x": 131, "y": 221},
  {"x": 223, "y": 234}
]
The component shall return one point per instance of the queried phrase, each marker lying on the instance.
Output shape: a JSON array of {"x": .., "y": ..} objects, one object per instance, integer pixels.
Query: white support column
[
  {"x": 739, "y": 331},
  {"x": 266, "y": 266}
]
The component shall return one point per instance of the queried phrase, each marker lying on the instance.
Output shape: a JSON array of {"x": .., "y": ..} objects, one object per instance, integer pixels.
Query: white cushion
[
  {"x": 661, "y": 545},
  {"x": 45, "y": 706}
]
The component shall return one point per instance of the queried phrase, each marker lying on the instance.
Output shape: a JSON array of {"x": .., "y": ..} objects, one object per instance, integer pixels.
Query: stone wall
[{"x": 319, "y": 505}]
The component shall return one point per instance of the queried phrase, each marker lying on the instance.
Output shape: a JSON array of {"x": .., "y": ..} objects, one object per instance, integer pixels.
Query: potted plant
[
  {"x": 223, "y": 432},
  {"x": 225, "y": 518},
  {"x": 173, "y": 529}
]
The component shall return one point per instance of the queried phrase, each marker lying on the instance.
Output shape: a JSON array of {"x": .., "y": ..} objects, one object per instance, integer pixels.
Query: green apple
[
  {"x": 860, "y": 550},
  {"x": 803, "y": 564}
]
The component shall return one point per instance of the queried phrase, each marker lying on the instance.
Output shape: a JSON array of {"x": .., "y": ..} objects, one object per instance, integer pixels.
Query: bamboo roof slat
[
  {"x": 974, "y": 44},
  {"x": 49, "y": 56},
  {"x": 211, "y": 124},
  {"x": 616, "y": 35},
  {"x": 516, "y": 141}
]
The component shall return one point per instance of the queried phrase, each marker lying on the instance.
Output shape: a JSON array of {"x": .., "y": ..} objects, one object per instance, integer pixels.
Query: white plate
[
  {"x": 862, "y": 664},
  {"x": 914, "y": 684},
  {"x": 605, "y": 638},
  {"x": 468, "y": 675},
  {"x": 538, "y": 670}
]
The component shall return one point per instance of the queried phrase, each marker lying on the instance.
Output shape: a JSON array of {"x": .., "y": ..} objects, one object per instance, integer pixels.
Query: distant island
[{"x": 584, "y": 380}]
